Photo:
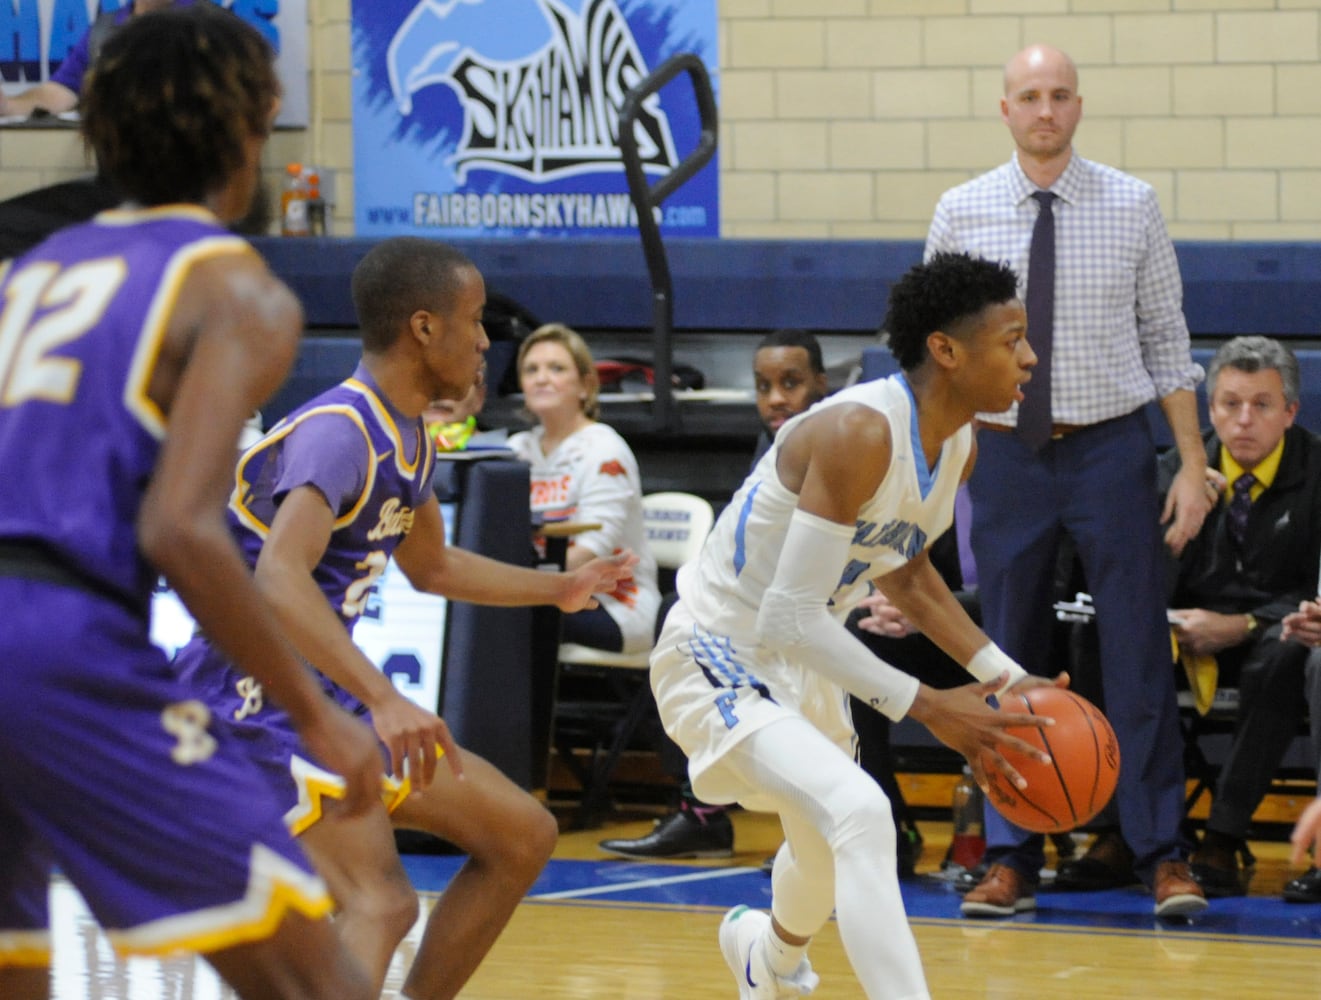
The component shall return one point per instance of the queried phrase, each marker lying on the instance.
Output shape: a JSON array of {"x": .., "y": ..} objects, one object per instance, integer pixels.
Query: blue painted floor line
[{"x": 927, "y": 899}]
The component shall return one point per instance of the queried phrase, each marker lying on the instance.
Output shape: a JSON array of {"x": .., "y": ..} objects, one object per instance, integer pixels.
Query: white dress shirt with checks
[{"x": 1120, "y": 337}]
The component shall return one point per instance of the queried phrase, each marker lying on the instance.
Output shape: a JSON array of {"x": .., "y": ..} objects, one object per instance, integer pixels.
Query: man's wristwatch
[{"x": 1252, "y": 622}]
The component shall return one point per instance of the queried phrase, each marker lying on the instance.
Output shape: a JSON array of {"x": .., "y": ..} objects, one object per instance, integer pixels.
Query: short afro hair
[
  {"x": 399, "y": 276},
  {"x": 942, "y": 293}
]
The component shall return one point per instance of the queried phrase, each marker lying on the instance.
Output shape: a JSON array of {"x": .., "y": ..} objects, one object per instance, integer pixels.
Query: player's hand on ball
[
  {"x": 962, "y": 720},
  {"x": 1060, "y": 680},
  {"x": 1084, "y": 768}
]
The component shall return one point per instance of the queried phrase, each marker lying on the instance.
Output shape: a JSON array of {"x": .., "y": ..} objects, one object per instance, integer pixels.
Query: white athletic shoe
[{"x": 740, "y": 942}]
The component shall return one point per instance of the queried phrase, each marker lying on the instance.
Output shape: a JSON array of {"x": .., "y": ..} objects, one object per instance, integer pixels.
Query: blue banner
[
  {"x": 37, "y": 35},
  {"x": 500, "y": 117}
]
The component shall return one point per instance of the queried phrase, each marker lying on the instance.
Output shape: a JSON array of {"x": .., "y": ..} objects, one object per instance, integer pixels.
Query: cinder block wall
[{"x": 848, "y": 118}]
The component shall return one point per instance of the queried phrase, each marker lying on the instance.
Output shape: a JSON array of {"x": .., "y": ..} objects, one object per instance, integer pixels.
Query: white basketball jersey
[{"x": 910, "y": 509}]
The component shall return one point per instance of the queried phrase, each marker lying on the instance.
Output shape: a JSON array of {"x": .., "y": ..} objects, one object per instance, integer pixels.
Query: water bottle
[
  {"x": 293, "y": 202},
  {"x": 316, "y": 206},
  {"x": 968, "y": 843}
]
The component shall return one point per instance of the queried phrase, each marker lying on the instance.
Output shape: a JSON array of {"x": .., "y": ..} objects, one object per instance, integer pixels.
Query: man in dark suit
[{"x": 1253, "y": 561}]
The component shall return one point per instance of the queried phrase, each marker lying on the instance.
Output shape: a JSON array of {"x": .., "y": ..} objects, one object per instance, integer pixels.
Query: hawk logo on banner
[
  {"x": 551, "y": 114},
  {"x": 501, "y": 117}
]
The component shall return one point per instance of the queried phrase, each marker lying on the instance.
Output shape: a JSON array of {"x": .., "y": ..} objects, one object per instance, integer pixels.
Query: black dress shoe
[
  {"x": 1215, "y": 866},
  {"x": 682, "y": 834},
  {"x": 1219, "y": 883},
  {"x": 1306, "y": 888},
  {"x": 1108, "y": 864}
]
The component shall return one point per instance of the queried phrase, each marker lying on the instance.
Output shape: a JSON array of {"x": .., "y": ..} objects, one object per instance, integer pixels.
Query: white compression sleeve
[
  {"x": 793, "y": 618},
  {"x": 991, "y": 661}
]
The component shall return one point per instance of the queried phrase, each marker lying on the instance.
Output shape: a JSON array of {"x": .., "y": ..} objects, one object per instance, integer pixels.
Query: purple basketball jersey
[
  {"x": 371, "y": 464},
  {"x": 187, "y": 848},
  {"x": 78, "y": 433}
]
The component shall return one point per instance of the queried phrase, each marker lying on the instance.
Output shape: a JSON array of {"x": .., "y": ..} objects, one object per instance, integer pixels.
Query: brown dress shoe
[
  {"x": 1177, "y": 893},
  {"x": 1003, "y": 892}
]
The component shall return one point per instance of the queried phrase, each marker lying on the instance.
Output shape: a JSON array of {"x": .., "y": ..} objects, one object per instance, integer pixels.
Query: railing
[{"x": 647, "y": 197}]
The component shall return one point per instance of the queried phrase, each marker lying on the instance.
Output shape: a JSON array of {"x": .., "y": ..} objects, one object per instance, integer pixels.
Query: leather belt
[{"x": 1057, "y": 431}]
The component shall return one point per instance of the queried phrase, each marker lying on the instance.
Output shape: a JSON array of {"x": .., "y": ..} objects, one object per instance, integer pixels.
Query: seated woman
[{"x": 584, "y": 471}]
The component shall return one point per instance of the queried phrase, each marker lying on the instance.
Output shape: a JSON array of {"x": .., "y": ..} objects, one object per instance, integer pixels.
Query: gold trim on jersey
[
  {"x": 25, "y": 949},
  {"x": 276, "y": 888},
  {"x": 130, "y": 216},
  {"x": 238, "y": 500},
  {"x": 315, "y": 785},
  {"x": 145, "y": 355},
  {"x": 425, "y": 448}
]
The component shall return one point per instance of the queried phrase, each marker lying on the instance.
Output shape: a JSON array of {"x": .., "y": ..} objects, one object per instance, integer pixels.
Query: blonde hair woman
[{"x": 582, "y": 470}]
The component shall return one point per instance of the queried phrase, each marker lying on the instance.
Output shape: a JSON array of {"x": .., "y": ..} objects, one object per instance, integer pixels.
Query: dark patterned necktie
[
  {"x": 1239, "y": 506},
  {"x": 1034, "y": 419}
]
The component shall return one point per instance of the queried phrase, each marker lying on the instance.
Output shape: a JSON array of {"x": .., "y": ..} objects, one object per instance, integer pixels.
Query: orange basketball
[{"x": 1084, "y": 768}]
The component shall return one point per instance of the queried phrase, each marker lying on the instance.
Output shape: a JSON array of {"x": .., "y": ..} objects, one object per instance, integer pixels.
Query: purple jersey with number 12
[
  {"x": 110, "y": 767},
  {"x": 79, "y": 434}
]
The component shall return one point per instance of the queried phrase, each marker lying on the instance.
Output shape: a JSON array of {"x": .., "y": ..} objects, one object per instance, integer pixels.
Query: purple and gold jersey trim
[
  {"x": 406, "y": 469},
  {"x": 157, "y": 213},
  {"x": 276, "y": 887},
  {"x": 239, "y": 500},
  {"x": 316, "y": 784},
  {"x": 25, "y": 949},
  {"x": 157, "y": 321}
]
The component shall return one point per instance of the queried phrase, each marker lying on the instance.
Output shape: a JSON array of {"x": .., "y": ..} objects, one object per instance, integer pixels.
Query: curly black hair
[
  {"x": 399, "y": 276},
  {"x": 942, "y": 294},
  {"x": 171, "y": 100}
]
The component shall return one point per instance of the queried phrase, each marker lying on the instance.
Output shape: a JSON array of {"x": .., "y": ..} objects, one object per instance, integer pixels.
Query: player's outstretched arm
[
  {"x": 229, "y": 343},
  {"x": 460, "y": 575},
  {"x": 295, "y": 544}
]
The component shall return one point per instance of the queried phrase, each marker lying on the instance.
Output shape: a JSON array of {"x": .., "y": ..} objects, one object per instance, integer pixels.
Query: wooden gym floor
[{"x": 601, "y": 929}]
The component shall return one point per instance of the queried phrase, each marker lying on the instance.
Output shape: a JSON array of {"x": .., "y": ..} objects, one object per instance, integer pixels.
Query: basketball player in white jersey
[{"x": 754, "y": 665}]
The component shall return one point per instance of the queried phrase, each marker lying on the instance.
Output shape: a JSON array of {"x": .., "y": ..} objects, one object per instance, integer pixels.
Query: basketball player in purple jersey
[
  {"x": 320, "y": 505},
  {"x": 132, "y": 348}
]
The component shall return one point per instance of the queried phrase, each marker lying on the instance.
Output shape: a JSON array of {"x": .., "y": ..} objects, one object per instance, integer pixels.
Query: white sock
[{"x": 782, "y": 957}]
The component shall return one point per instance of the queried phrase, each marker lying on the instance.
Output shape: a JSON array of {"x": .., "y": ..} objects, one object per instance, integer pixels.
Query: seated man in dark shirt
[
  {"x": 1254, "y": 560},
  {"x": 788, "y": 376}
]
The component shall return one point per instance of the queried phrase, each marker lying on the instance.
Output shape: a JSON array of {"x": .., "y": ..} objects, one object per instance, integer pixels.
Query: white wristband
[{"x": 989, "y": 662}]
